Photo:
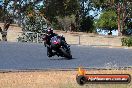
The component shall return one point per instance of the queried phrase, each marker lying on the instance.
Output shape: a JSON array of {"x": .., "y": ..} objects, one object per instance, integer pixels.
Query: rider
[{"x": 49, "y": 35}]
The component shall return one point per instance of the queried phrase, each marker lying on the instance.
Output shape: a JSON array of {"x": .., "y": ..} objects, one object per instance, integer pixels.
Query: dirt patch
[{"x": 55, "y": 79}]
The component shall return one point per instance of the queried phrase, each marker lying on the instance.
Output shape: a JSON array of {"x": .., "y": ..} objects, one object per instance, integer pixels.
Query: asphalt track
[{"x": 15, "y": 56}]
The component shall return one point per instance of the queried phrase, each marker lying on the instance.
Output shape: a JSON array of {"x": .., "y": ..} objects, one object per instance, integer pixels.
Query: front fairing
[{"x": 55, "y": 42}]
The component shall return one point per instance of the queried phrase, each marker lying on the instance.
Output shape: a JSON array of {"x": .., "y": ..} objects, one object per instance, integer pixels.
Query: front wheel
[{"x": 66, "y": 54}]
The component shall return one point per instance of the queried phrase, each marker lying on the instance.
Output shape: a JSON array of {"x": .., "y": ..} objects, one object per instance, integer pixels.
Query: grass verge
[{"x": 55, "y": 79}]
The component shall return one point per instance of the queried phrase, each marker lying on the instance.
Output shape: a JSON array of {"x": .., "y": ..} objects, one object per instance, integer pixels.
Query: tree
[
  {"x": 1, "y": 12},
  {"x": 59, "y": 10},
  {"x": 85, "y": 19},
  {"x": 107, "y": 21},
  {"x": 34, "y": 20},
  {"x": 4, "y": 13},
  {"x": 123, "y": 10},
  {"x": 35, "y": 23},
  {"x": 87, "y": 24},
  {"x": 21, "y": 8}
]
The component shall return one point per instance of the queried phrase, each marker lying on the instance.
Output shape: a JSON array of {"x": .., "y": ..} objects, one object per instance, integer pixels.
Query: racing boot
[{"x": 49, "y": 52}]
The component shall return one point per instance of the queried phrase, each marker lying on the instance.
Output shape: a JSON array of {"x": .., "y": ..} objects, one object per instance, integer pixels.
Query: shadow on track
[{"x": 63, "y": 58}]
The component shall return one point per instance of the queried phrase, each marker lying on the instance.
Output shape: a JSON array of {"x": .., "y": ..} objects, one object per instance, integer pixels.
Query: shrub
[{"x": 127, "y": 41}]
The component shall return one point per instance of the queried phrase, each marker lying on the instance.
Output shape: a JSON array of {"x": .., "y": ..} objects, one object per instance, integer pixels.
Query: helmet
[{"x": 49, "y": 31}]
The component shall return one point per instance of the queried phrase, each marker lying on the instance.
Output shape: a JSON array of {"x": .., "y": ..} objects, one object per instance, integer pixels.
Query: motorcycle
[{"x": 60, "y": 48}]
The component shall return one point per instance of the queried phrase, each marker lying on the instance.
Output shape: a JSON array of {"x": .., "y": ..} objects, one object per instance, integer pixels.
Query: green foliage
[
  {"x": 65, "y": 22},
  {"x": 126, "y": 41},
  {"x": 35, "y": 23},
  {"x": 1, "y": 12},
  {"x": 123, "y": 9},
  {"x": 59, "y": 12},
  {"x": 129, "y": 23},
  {"x": 85, "y": 7},
  {"x": 52, "y": 10},
  {"x": 61, "y": 8},
  {"x": 85, "y": 20},
  {"x": 107, "y": 20},
  {"x": 105, "y": 4},
  {"x": 56, "y": 25},
  {"x": 87, "y": 24}
]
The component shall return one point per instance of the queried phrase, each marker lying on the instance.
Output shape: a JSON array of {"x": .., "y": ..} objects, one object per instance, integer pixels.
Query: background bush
[{"x": 127, "y": 41}]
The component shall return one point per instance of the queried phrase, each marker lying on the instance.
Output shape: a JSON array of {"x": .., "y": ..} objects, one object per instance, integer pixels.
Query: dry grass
[
  {"x": 13, "y": 32},
  {"x": 55, "y": 79},
  {"x": 91, "y": 39},
  {"x": 71, "y": 37}
]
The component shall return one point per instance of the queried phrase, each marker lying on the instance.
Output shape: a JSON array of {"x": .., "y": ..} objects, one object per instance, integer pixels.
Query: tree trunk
[
  {"x": 118, "y": 14},
  {"x": 123, "y": 17},
  {"x": 77, "y": 21},
  {"x": 4, "y": 12}
]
